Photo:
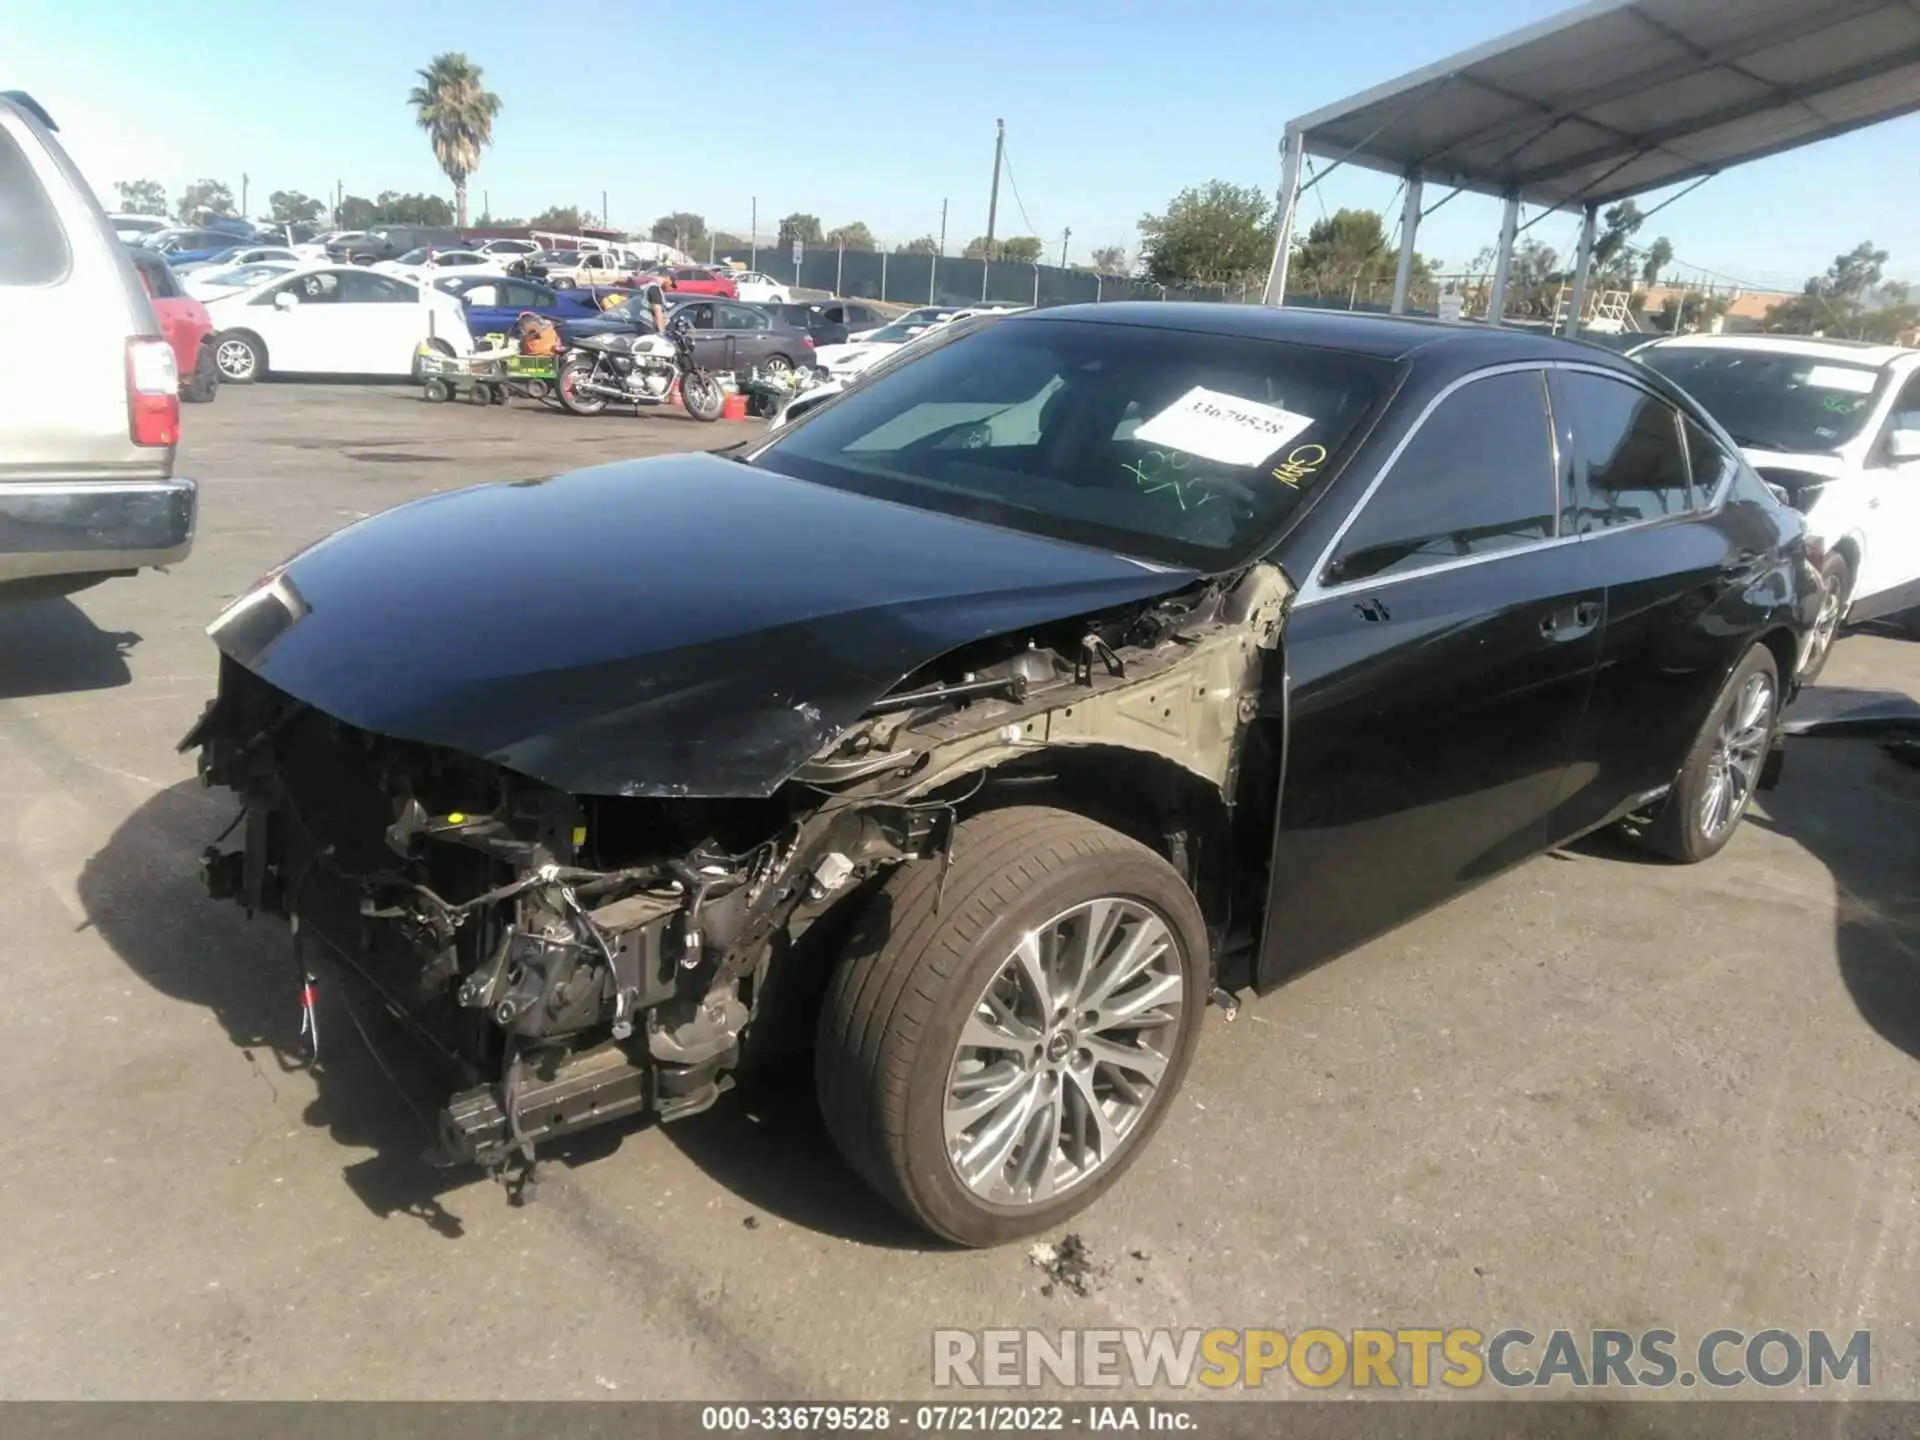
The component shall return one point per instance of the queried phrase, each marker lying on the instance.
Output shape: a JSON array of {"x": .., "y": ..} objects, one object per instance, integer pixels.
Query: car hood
[
  {"x": 850, "y": 356},
  {"x": 685, "y": 625}
]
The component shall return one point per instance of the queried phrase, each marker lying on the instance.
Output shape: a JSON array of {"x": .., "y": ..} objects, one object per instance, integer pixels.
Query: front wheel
[
  {"x": 702, "y": 395},
  {"x": 204, "y": 383},
  {"x": 576, "y": 400},
  {"x": 1002, "y": 1041},
  {"x": 1723, "y": 768},
  {"x": 241, "y": 359},
  {"x": 1836, "y": 589}
]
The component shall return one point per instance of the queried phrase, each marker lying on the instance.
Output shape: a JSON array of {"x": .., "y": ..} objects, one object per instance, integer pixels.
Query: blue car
[
  {"x": 186, "y": 243},
  {"x": 494, "y": 303}
]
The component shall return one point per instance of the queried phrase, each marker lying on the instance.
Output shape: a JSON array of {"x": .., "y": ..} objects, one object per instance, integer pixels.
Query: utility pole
[
  {"x": 993, "y": 200},
  {"x": 243, "y": 194},
  {"x": 1065, "y": 235},
  {"x": 486, "y": 205},
  {"x": 603, "y": 209},
  {"x": 753, "y": 235},
  {"x": 943, "y": 227}
]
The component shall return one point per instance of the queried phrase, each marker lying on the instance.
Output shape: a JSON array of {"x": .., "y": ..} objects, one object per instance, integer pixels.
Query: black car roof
[{"x": 1391, "y": 337}]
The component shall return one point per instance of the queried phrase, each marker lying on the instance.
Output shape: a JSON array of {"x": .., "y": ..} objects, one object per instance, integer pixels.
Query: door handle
[{"x": 1570, "y": 622}]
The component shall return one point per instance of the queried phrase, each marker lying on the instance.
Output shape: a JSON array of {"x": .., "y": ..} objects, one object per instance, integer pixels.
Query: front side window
[
  {"x": 1624, "y": 463},
  {"x": 737, "y": 317},
  {"x": 1168, "y": 444},
  {"x": 526, "y": 297},
  {"x": 1476, "y": 478},
  {"x": 322, "y": 288},
  {"x": 1712, "y": 465},
  {"x": 1773, "y": 400},
  {"x": 485, "y": 296}
]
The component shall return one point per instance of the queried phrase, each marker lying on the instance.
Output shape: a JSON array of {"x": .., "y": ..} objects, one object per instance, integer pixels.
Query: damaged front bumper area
[{"x": 571, "y": 959}]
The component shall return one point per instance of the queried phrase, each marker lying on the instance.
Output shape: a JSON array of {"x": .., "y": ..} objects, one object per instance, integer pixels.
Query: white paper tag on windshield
[
  {"x": 1222, "y": 427},
  {"x": 1842, "y": 377}
]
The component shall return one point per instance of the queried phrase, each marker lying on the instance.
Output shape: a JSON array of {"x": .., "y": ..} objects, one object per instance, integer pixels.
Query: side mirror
[
  {"x": 1904, "y": 445},
  {"x": 286, "y": 300}
]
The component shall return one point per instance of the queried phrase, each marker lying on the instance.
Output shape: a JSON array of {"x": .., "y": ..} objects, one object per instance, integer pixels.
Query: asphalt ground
[{"x": 1597, "y": 1091}]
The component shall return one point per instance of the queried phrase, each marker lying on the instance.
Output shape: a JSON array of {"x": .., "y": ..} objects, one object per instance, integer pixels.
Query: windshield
[
  {"x": 897, "y": 333},
  {"x": 1772, "y": 400},
  {"x": 413, "y": 257},
  {"x": 1183, "y": 447}
]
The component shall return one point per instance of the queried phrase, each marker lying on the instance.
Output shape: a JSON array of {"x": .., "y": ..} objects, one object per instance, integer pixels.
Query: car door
[
  {"x": 1437, "y": 669},
  {"x": 1891, "y": 581},
  {"x": 751, "y": 340},
  {"x": 300, "y": 337},
  {"x": 489, "y": 306},
  {"x": 382, "y": 323},
  {"x": 710, "y": 342},
  {"x": 1677, "y": 571}
]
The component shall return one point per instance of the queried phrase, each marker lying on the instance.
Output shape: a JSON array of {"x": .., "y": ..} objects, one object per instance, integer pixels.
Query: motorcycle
[{"x": 639, "y": 370}]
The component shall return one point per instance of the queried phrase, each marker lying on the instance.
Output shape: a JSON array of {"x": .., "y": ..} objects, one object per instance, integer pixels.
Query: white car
[
  {"x": 213, "y": 281},
  {"x": 239, "y": 255},
  {"x": 755, "y": 288},
  {"x": 333, "y": 320},
  {"x": 592, "y": 267},
  {"x": 844, "y": 361},
  {"x": 425, "y": 264},
  {"x": 132, "y": 229},
  {"x": 917, "y": 320},
  {"x": 507, "y": 249},
  {"x": 1835, "y": 425},
  {"x": 837, "y": 384}
]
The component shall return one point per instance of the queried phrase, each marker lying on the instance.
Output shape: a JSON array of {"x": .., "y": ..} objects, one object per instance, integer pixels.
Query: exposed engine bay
[{"x": 574, "y": 958}]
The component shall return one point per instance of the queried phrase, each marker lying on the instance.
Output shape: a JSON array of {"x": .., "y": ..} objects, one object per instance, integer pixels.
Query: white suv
[{"x": 1835, "y": 424}]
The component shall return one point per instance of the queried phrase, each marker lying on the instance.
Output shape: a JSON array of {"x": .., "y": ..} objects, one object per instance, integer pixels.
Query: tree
[
  {"x": 290, "y": 207},
  {"x": 855, "y": 236},
  {"x": 354, "y": 212},
  {"x": 205, "y": 197},
  {"x": 1853, "y": 275},
  {"x": 1612, "y": 256},
  {"x": 569, "y": 219},
  {"x": 1215, "y": 234},
  {"x": 925, "y": 245},
  {"x": 1110, "y": 259},
  {"x": 457, "y": 111},
  {"x": 683, "y": 230},
  {"x": 1659, "y": 256},
  {"x": 411, "y": 209},
  {"x": 141, "y": 197},
  {"x": 1697, "y": 311},
  {"x": 726, "y": 243},
  {"x": 804, "y": 228},
  {"x": 1024, "y": 248}
]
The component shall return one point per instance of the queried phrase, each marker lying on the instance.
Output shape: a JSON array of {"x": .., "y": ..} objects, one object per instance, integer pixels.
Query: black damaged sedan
[{"x": 984, "y": 727}]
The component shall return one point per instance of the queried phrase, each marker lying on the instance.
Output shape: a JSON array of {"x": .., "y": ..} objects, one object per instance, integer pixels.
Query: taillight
[
  {"x": 807, "y": 341},
  {"x": 153, "y": 393}
]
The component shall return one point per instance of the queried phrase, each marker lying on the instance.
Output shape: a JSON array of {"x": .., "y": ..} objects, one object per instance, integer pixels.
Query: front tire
[
  {"x": 204, "y": 383},
  {"x": 240, "y": 358},
  {"x": 998, "y": 1049},
  {"x": 702, "y": 396},
  {"x": 1723, "y": 769},
  {"x": 1836, "y": 579}
]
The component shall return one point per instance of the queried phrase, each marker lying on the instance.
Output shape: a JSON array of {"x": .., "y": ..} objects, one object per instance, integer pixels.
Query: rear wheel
[
  {"x": 776, "y": 365},
  {"x": 1723, "y": 769},
  {"x": 1004, "y": 1039},
  {"x": 571, "y": 396},
  {"x": 702, "y": 396},
  {"x": 479, "y": 395},
  {"x": 204, "y": 383},
  {"x": 240, "y": 358}
]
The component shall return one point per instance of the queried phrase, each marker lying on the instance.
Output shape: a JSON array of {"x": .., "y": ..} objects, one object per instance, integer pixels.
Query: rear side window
[
  {"x": 1475, "y": 479},
  {"x": 158, "y": 277},
  {"x": 1712, "y": 465},
  {"x": 33, "y": 247},
  {"x": 1625, "y": 464}
]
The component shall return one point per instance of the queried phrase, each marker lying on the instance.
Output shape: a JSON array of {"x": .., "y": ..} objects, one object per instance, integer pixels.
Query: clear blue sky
[{"x": 867, "y": 112}]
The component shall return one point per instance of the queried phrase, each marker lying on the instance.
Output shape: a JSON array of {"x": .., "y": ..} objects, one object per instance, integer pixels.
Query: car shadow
[
  {"x": 375, "y": 1089},
  {"x": 52, "y": 647},
  {"x": 1857, "y": 811}
]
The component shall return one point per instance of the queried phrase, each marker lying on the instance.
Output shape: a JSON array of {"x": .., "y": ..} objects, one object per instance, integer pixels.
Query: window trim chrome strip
[{"x": 1313, "y": 590}]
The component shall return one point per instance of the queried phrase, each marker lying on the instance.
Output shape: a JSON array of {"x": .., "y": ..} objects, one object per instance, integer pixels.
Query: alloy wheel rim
[
  {"x": 1825, "y": 626},
  {"x": 1064, "y": 1052},
  {"x": 234, "y": 358},
  {"x": 1739, "y": 748}
]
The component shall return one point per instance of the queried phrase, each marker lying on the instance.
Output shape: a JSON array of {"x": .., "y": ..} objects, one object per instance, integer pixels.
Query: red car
[
  {"x": 694, "y": 280},
  {"x": 185, "y": 323}
]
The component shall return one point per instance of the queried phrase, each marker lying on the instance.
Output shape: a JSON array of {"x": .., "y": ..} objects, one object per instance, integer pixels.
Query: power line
[{"x": 1014, "y": 186}]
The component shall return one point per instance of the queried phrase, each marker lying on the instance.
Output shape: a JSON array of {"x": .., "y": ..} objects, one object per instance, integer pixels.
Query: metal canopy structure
[{"x": 1612, "y": 99}]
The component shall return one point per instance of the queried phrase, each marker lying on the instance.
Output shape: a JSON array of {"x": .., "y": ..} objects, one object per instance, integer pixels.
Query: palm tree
[{"x": 456, "y": 110}]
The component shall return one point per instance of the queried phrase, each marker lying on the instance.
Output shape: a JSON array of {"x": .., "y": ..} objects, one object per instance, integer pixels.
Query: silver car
[{"x": 89, "y": 393}]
